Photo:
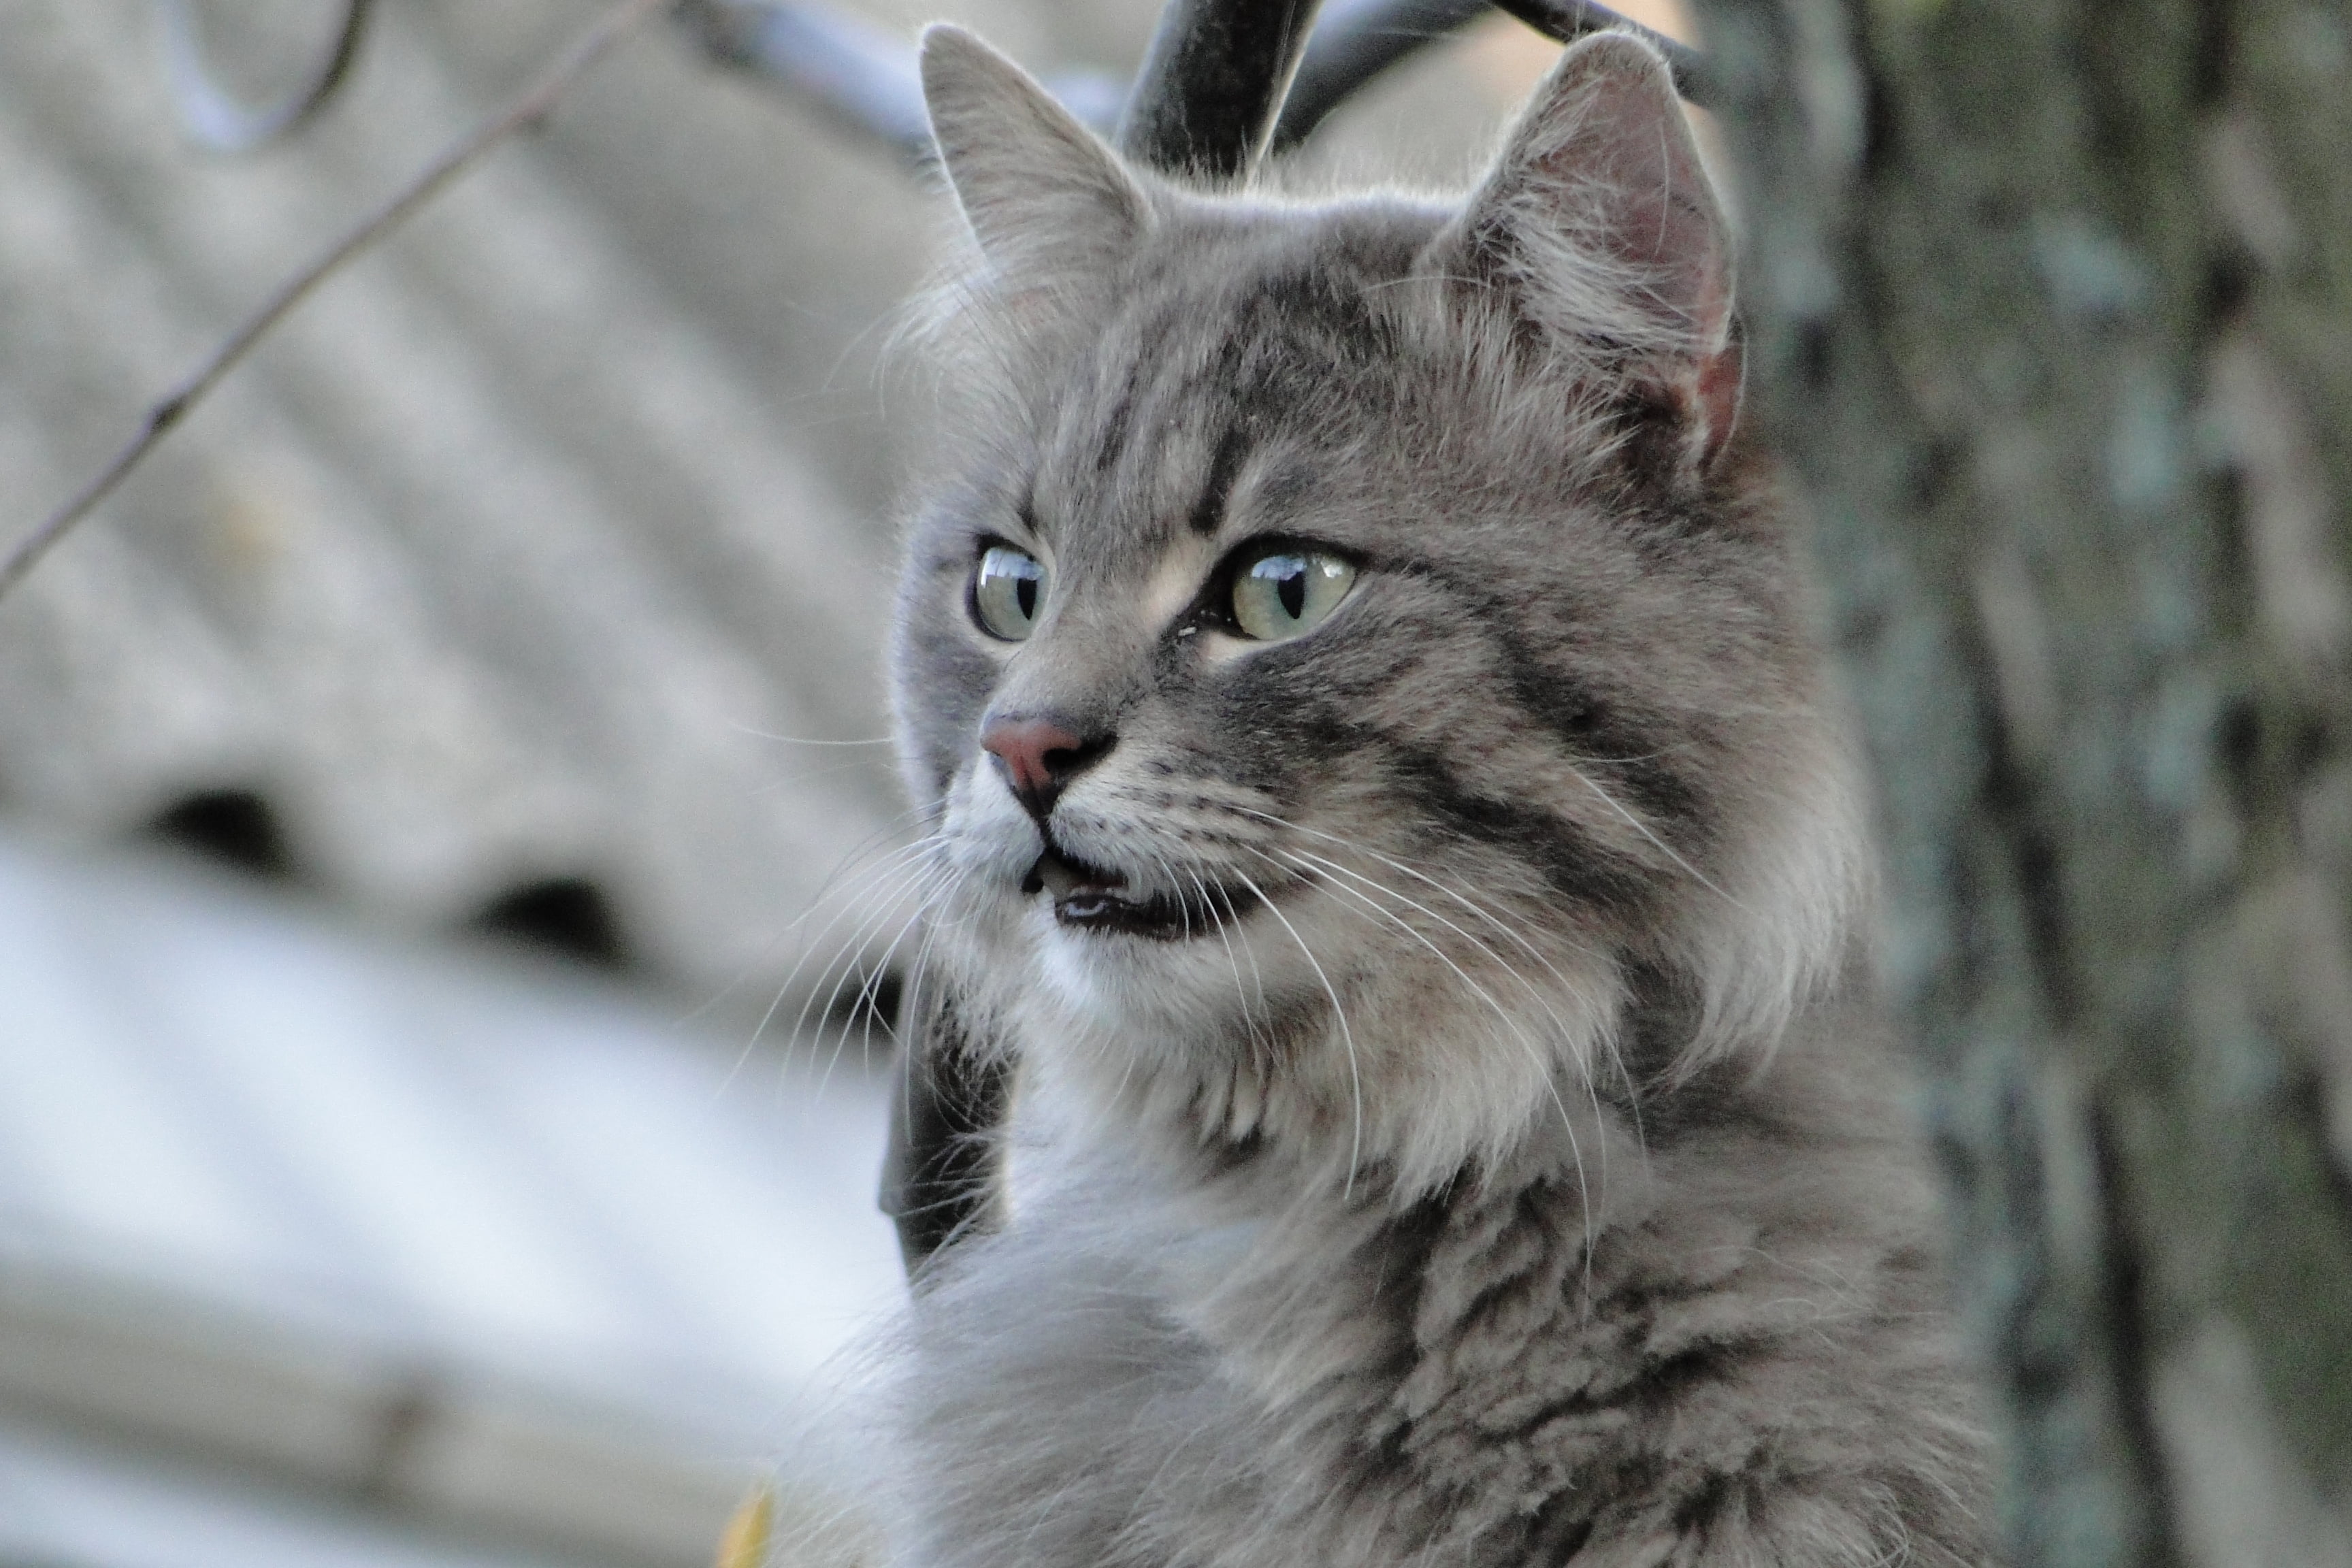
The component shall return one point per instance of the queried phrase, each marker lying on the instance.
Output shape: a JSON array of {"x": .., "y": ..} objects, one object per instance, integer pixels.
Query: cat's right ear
[{"x": 1047, "y": 200}]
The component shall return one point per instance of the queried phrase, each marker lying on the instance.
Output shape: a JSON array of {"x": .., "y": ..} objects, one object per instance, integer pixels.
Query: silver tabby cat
[{"x": 1381, "y": 800}]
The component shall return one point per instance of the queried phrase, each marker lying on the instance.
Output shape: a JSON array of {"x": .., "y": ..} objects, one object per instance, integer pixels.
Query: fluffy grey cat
[{"x": 1382, "y": 805}]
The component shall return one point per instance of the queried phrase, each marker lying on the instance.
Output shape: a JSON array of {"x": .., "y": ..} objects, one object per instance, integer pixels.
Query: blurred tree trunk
[{"x": 2050, "y": 307}]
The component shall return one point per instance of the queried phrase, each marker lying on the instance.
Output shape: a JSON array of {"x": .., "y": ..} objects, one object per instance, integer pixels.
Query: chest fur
[{"x": 1504, "y": 1377}]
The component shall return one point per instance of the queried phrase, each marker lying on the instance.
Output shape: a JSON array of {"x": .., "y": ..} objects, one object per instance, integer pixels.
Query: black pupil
[
  {"x": 1024, "y": 593},
  {"x": 1291, "y": 586}
]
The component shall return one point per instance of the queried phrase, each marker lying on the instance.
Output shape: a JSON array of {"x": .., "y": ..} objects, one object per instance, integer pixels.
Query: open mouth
[{"x": 1088, "y": 898}]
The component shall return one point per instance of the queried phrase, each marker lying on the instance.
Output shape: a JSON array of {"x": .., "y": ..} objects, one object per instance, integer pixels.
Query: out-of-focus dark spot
[
  {"x": 1936, "y": 465},
  {"x": 2241, "y": 737},
  {"x": 1814, "y": 354},
  {"x": 1879, "y": 146},
  {"x": 2228, "y": 284},
  {"x": 403, "y": 1425},
  {"x": 2214, "y": 58},
  {"x": 569, "y": 916},
  {"x": 232, "y": 827},
  {"x": 1862, "y": 629}
]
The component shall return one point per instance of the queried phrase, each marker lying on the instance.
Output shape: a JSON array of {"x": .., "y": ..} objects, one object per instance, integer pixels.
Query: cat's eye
[
  {"x": 1282, "y": 591},
  {"x": 1008, "y": 589}
]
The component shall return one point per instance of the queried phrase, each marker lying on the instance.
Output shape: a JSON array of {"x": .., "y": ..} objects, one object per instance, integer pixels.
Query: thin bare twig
[{"x": 531, "y": 107}]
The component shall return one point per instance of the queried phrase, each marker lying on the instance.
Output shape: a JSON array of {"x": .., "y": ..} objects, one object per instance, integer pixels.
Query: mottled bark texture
[{"x": 2050, "y": 303}]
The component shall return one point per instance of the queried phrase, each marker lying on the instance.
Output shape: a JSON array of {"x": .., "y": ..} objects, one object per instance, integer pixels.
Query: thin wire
[{"x": 164, "y": 415}]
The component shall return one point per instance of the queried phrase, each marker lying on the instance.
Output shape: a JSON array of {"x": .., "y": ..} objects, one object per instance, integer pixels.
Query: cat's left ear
[{"x": 1600, "y": 221}]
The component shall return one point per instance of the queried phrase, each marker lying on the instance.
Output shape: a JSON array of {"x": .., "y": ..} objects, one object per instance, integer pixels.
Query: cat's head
[{"x": 1353, "y": 653}]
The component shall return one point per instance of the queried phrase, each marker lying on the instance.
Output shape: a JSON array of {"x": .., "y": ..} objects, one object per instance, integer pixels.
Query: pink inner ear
[
  {"x": 1635, "y": 191},
  {"x": 1717, "y": 388},
  {"x": 1621, "y": 176}
]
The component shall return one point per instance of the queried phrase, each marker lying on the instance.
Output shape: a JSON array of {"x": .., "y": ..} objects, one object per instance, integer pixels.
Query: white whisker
[
  {"x": 1535, "y": 1056},
  {"x": 1347, "y": 1036},
  {"x": 1665, "y": 848},
  {"x": 891, "y": 864},
  {"x": 850, "y": 951},
  {"x": 1502, "y": 928}
]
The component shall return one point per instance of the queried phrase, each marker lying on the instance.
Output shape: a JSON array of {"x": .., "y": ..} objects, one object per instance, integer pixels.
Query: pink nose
[{"x": 1037, "y": 757}]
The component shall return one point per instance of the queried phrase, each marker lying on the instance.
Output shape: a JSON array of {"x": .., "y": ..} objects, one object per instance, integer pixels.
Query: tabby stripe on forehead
[
  {"x": 1111, "y": 443},
  {"x": 1209, "y": 511},
  {"x": 1148, "y": 339}
]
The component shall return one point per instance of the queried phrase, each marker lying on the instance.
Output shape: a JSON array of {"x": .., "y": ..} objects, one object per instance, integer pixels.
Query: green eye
[
  {"x": 1008, "y": 588},
  {"x": 1285, "y": 591}
]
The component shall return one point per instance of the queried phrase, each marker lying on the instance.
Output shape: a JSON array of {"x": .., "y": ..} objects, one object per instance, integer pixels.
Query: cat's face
[{"x": 1349, "y": 653}]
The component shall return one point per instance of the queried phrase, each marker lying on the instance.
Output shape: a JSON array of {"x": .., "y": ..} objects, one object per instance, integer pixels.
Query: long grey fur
[{"x": 1490, "y": 1155}]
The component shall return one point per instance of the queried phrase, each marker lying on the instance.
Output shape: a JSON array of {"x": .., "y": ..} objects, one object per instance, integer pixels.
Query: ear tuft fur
[{"x": 1045, "y": 198}]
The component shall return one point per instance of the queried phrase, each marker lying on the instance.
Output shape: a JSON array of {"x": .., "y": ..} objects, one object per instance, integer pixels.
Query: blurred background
[{"x": 446, "y": 915}]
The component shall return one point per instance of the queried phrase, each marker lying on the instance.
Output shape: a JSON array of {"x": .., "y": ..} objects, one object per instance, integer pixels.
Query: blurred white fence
[{"x": 433, "y": 1238}]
